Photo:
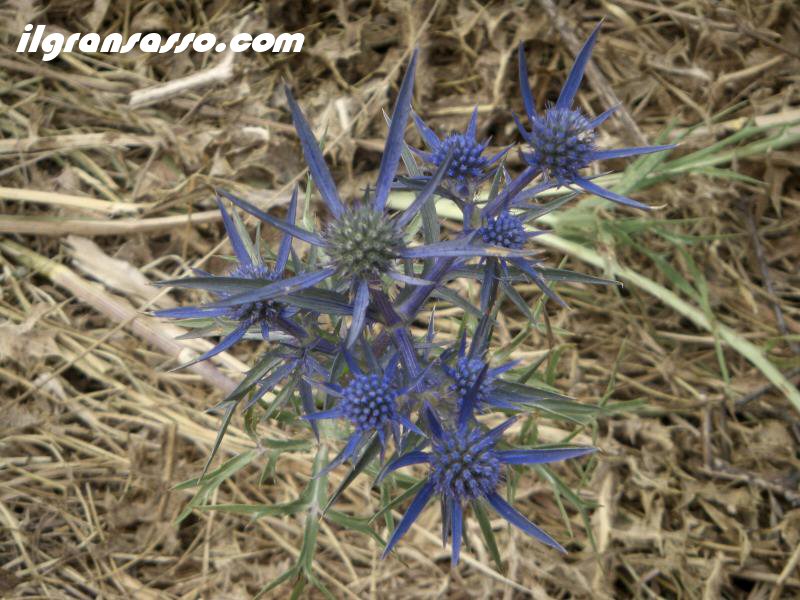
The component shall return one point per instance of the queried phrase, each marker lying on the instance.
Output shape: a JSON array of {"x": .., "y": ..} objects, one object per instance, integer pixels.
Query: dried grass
[{"x": 698, "y": 492}]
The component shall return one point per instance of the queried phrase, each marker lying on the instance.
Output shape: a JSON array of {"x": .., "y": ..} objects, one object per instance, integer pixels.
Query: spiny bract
[{"x": 260, "y": 310}]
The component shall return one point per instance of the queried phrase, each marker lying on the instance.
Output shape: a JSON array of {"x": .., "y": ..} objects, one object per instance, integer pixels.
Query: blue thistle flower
[
  {"x": 370, "y": 402},
  {"x": 471, "y": 374},
  {"x": 264, "y": 313},
  {"x": 468, "y": 166},
  {"x": 505, "y": 230},
  {"x": 465, "y": 374},
  {"x": 465, "y": 467},
  {"x": 563, "y": 138}
]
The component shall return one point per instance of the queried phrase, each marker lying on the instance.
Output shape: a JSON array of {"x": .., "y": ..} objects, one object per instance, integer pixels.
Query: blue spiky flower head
[
  {"x": 563, "y": 143},
  {"x": 468, "y": 166},
  {"x": 466, "y": 466},
  {"x": 465, "y": 374},
  {"x": 562, "y": 139},
  {"x": 506, "y": 230},
  {"x": 363, "y": 243},
  {"x": 472, "y": 378},
  {"x": 371, "y": 403},
  {"x": 260, "y": 311}
]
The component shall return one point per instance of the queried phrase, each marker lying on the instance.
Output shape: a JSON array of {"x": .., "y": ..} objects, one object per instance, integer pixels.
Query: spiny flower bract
[{"x": 264, "y": 311}]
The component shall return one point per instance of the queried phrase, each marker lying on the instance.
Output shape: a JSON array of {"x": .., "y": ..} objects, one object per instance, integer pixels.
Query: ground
[{"x": 107, "y": 188}]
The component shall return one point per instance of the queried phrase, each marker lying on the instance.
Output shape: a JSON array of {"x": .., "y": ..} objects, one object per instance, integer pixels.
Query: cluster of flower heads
[{"x": 369, "y": 274}]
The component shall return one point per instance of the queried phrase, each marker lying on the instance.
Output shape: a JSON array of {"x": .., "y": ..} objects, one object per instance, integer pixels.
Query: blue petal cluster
[
  {"x": 468, "y": 167},
  {"x": 505, "y": 230},
  {"x": 369, "y": 402},
  {"x": 468, "y": 161},
  {"x": 465, "y": 374},
  {"x": 464, "y": 467},
  {"x": 338, "y": 316},
  {"x": 563, "y": 143}
]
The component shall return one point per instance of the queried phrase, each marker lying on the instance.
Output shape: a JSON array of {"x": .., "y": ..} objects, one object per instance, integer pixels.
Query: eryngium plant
[{"x": 342, "y": 359}]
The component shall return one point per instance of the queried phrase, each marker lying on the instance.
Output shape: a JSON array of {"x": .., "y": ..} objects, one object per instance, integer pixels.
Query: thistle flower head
[
  {"x": 234, "y": 300},
  {"x": 505, "y": 230},
  {"x": 260, "y": 310},
  {"x": 562, "y": 141},
  {"x": 362, "y": 243},
  {"x": 464, "y": 466},
  {"x": 465, "y": 374},
  {"x": 562, "y": 138},
  {"x": 473, "y": 381},
  {"x": 369, "y": 401},
  {"x": 468, "y": 161},
  {"x": 468, "y": 166}
]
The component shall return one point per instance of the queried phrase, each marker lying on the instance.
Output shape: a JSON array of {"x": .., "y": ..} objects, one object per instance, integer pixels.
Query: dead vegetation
[{"x": 698, "y": 492}]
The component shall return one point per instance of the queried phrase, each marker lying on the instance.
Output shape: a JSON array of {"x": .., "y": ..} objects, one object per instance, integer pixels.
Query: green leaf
[
  {"x": 245, "y": 237},
  {"x": 371, "y": 451},
  {"x": 411, "y": 491},
  {"x": 226, "y": 420},
  {"x": 268, "y": 360},
  {"x": 260, "y": 510},
  {"x": 348, "y": 522},
  {"x": 488, "y": 535},
  {"x": 573, "y": 277},
  {"x": 518, "y": 301},
  {"x": 212, "y": 481},
  {"x": 293, "y": 572},
  {"x": 455, "y": 299}
]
